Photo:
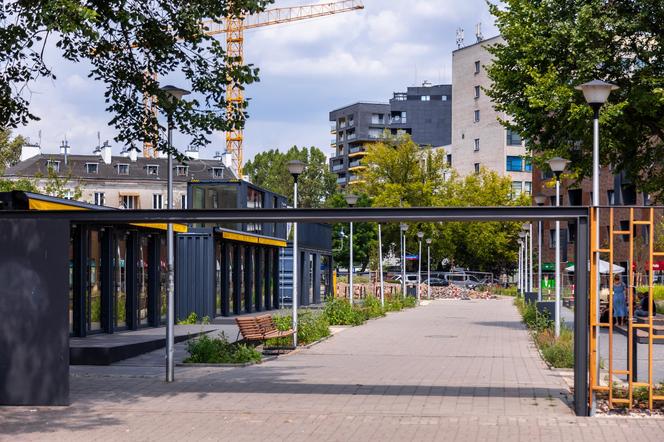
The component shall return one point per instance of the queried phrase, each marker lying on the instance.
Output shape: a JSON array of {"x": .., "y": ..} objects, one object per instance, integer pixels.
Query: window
[
  {"x": 528, "y": 165},
  {"x": 217, "y": 172},
  {"x": 152, "y": 169},
  {"x": 351, "y": 120},
  {"x": 552, "y": 238},
  {"x": 69, "y": 194},
  {"x": 183, "y": 201},
  {"x": 157, "y": 202},
  {"x": 514, "y": 164},
  {"x": 375, "y": 133},
  {"x": 377, "y": 118},
  {"x": 123, "y": 169},
  {"x": 477, "y": 92},
  {"x": 528, "y": 188},
  {"x": 92, "y": 168},
  {"x": 181, "y": 170},
  {"x": 477, "y": 67},
  {"x": 53, "y": 165},
  {"x": 398, "y": 117},
  {"x": 477, "y": 144},
  {"x": 628, "y": 195},
  {"x": 129, "y": 202},
  {"x": 624, "y": 226},
  {"x": 425, "y": 98},
  {"x": 611, "y": 197},
  {"x": 476, "y": 116},
  {"x": 575, "y": 197},
  {"x": 449, "y": 159},
  {"x": 477, "y": 167},
  {"x": 512, "y": 138},
  {"x": 517, "y": 188},
  {"x": 571, "y": 232},
  {"x": 444, "y": 98},
  {"x": 99, "y": 198}
]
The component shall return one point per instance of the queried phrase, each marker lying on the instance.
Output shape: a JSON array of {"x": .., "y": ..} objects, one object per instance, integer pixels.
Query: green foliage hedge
[
  {"x": 312, "y": 327},
  {"x": 207, "y": 350}
]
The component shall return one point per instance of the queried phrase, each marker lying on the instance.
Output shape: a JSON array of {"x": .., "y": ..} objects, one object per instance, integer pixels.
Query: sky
[{"x": 307, "y": 69}]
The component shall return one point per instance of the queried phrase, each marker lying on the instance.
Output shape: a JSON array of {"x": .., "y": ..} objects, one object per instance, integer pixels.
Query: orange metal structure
[
  {"x": 637, "y": 328},
  {"x": 234, "y": 28}
]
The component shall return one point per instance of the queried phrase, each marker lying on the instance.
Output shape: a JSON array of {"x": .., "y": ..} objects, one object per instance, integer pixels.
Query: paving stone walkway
[{"x": 449, "y": 370}]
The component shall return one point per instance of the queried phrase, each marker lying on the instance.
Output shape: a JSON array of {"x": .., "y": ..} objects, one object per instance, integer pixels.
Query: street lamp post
[
  {"x": 539, "y": 200},
  {"x": 522, "y": 262},
  {"x": 295, "y": 168},
  {"x": 174, "y": 94},
  {"x": 380, "y": 266},
  {"x": 528, "y": 230},
  {"x": 351, "y": 200},
  {"x": 420, "y": 235},
  {"x": 557, "y": 166},
  {"x": 403, "y": 227},
  {"x": 596, "y": 93},
  {"x": 428, "y": 268}
]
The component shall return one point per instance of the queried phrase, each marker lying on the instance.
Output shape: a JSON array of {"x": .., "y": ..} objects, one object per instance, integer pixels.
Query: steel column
[{"x": 581, "y": 320}]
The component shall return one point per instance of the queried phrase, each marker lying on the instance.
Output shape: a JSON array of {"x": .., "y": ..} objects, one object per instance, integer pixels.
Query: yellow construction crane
[{"x": 234, "y": 28}]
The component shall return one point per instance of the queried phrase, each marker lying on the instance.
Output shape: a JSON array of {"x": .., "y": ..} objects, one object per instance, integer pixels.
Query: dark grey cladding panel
[
  {"x": 194, "y": 275},
  {"x": 315, "y": 236},
  {"x": 34, "y": 325}
]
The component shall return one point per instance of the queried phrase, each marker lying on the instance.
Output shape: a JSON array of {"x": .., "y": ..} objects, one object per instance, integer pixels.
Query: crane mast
[{"x": 234, "y": 28}]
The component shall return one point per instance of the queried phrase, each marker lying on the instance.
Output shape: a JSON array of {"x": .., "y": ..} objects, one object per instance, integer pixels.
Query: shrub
[
  {"x": 533, "y": 319},
  {"x": 393, "y": 304},
  {"x": 338, "y": 311},
  {"x": 372, "y": 307},
  {"x": 559, "y": 352},
  {"x": 409, "y": 302},
  {"x": 312, "y": 327},
  {"x": 658, "y": 291},
  {"x": 207, "y": 350},
  {"x": 501, "y": 291},
  {"x": 189, "y": 320}
]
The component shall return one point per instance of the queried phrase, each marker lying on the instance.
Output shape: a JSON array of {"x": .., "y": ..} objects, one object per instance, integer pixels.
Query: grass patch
[
  {"x": 207, "y": 350},
  {"x": 557, "y": 352},
  {"x": 502, "y": 291},
  {"x": 339, "y": 311}
]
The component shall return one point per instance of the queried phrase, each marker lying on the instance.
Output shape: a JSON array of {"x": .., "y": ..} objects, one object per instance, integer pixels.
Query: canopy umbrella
[{"x": 603, "y": 268}]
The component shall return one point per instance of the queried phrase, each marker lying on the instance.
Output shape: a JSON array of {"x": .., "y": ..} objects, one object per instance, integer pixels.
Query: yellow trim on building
[
  {"x": 35, "y": 204},
  {"x": 357, "y": 167},
  {"x": 253, "y": 239},
  {"x": 357, "y": 154}
]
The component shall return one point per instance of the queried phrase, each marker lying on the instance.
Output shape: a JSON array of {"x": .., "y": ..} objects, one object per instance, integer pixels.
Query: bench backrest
[
  {"x": 266, "y": 323},
  {"x": 249, "y": 328}
]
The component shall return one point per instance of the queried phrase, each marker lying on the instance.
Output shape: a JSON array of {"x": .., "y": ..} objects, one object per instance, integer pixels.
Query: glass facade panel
[
  {"x": 142, "y": 275},
  {"x": 93, "y": 295},
  {"x": 514, "y": 164},
  {"x": 218, "y": 263},
  {"x": 513, "y": 138},
  {"x": 120, "y": 281},
  {"x": 231, "y": 279},
  {"x": 254, "y": 201},
  {"x": 163, "y": 279},
  {"x": 71, "y": 284}
]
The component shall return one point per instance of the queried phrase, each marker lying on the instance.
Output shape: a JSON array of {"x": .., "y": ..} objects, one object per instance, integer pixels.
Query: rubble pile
[{"x": 456, "y": 292}]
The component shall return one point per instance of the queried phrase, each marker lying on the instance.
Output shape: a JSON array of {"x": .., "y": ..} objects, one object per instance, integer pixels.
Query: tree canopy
[
  {"x": 316, "y": 184},
  {"x": 128, "y": 44},
  {"x": 552, "y": 46},
  {"x": 10, "y": 149}
]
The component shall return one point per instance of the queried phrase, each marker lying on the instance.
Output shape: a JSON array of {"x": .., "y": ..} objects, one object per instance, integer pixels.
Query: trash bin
[{"x": 411, "y": 290}]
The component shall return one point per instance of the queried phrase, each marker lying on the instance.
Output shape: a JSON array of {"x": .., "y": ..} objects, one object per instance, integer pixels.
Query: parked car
[
  {"x": 410, "y": 278},
  {"x": 437, "y": 282}
]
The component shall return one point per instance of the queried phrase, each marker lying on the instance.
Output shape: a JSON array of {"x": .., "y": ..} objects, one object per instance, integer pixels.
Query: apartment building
[
  {"x": 127, "y": 181},
  {"x": 478, "y": 138},
  {"x": 424, "y": 112}
]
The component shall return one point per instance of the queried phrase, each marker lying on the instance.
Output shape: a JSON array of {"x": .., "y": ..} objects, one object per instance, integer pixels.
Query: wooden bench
[{"x": 260, "y": 328}]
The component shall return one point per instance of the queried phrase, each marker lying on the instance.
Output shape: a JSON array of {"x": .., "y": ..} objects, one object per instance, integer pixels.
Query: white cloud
[{"x": 385, "y": 26}]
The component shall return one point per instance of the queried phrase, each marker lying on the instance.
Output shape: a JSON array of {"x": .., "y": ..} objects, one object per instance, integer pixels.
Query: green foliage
[
  {"x": 23, "y": 184},
  {"x": 339, "y": 311},
  {"x": 122, "y": 41},
  {"x": 365, "y": 236},
  {"x": 658, "y": 291},
  {"x": 551, "y": 47},
  {"x": 10, "y": 149},
  {"x": 409, "y": 302},
  {"x": 372, "y": 308},
  {"x": 559, "y": 353},
  {"x": 189, "y": 320},
  {"x": 61, "y": 186},
  {"x": 312, "y": 327},
  {"x": 316, "y": 184},
  {"x": 501, "y": 291},
  {"x": 207, "y": 350}
]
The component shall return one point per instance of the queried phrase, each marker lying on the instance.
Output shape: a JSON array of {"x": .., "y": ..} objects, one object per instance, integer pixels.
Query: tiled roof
[{"x": 198, "y": 169}]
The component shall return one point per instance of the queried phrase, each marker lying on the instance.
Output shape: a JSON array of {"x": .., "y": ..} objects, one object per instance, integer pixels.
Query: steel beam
[{"x": 581, "y": 320}]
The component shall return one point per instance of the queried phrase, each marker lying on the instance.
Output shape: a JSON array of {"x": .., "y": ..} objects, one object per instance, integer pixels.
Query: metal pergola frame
[{"x": 380, "y": 215}]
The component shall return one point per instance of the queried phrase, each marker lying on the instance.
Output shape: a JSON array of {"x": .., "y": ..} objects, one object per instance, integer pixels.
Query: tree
[
  {"x": 10, "y": 149},
  {"x": 64, "y": 186},
  {"x": 23, "y": 184},
  {"x": 316, "y": 184},
  {"x": 128, "y": 44},
  {"x": 551, "y": 47},
  {"x": 365, "y": 236}
]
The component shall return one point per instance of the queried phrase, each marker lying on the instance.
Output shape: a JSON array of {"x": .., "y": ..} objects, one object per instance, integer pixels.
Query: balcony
[
  {"x": 342, "y": 124},
  {"x": 333, "y": 128},
  {"x": 398, "y": 120},
  {"x": 351, "y": 136},
  {"x": 356, "y": 163},
  {"x": 355, "y": 179},
  {"x": 338, "y": 167},
  {"x": 351, "y": 123},
  {"x": 341, "y": 180},
  {"x": 333, "y": 142}
]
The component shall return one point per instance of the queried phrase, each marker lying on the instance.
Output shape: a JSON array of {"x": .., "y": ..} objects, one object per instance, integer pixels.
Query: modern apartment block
[
  {"x": 478, "y": 138},
  {"x": 423, "y": 112}
]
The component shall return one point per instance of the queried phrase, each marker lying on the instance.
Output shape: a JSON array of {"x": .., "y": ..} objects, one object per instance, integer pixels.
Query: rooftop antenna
[
  {"x": 65, "y": 148},
  {"x": 39, "y": 136},
  {"x": 459, "y": 38},
  {"x": 478, "y": 32}
]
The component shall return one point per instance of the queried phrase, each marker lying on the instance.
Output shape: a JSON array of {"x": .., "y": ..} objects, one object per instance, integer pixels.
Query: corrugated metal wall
[{"x": 194, "y": 275}]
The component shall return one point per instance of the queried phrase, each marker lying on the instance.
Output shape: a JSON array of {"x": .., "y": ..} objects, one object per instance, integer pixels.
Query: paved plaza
[{"x": 449, "y": 370}]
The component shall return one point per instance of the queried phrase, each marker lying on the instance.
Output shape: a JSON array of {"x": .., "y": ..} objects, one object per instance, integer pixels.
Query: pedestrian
[{"x": 619, "y": 304}]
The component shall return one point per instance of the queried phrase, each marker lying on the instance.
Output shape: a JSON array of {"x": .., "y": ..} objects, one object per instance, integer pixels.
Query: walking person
[{"x": 619, "y": 301}]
